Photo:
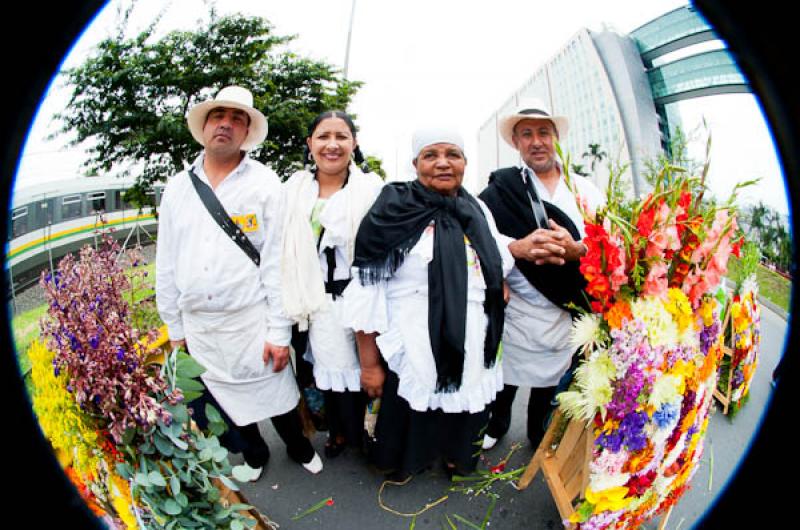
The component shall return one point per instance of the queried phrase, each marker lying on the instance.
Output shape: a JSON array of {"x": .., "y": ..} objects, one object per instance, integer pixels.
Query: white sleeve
[
  {"x": 167, "y": 293},
  {"x": 502, "y": 240},
  {"x": 279, "y": 326},
  {"x": 365, "y": 306}
]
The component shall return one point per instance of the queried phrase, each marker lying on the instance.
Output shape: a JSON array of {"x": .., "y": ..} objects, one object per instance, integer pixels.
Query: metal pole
[{"x": 349, "y": 35}]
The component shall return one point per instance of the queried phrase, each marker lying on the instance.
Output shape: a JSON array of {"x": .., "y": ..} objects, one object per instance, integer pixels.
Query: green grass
[{"x": 771, "y": 285}]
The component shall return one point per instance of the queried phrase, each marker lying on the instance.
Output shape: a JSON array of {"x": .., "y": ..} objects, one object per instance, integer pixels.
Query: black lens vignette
[{"x": 761, "y": 40}]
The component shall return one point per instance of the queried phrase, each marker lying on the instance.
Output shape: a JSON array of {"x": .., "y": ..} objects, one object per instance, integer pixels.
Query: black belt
[{"x": 336, "y": 287}]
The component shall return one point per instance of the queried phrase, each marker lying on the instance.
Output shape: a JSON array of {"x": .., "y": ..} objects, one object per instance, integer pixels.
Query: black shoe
[{"x": 334, "y": 448}]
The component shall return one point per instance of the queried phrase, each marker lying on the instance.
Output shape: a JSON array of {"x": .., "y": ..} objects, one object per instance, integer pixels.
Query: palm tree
[
  {"x": 595, "y": 154},
  {"x": 578, "y": 169}
]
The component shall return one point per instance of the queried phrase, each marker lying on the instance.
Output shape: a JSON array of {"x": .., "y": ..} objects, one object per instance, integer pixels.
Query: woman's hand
[
  {"x": 372, "y": 379},
  {"x": 372, "y": 373}
]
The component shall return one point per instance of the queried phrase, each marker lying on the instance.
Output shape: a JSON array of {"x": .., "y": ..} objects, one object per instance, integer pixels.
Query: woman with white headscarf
[
  {"x": 324, "y": 205},
  {"x": 427, "y": 310}
]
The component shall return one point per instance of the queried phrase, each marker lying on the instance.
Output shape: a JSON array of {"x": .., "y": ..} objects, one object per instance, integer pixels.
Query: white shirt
[
  {"x": 199, "y": 269},
  {"x": 535, "y": 337}
]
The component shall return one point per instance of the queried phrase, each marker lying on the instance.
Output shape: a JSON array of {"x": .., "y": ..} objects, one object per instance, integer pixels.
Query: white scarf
[{"x": 303, "y": 288}]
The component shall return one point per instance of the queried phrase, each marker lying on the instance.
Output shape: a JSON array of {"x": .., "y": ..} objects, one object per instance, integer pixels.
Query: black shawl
[
  {"x": 507, "y": 199},
  {"x": 390, "y": 230}
]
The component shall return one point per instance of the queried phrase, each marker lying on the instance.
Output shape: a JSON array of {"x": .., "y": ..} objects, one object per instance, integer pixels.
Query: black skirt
[{"x": 408, "y": 441}]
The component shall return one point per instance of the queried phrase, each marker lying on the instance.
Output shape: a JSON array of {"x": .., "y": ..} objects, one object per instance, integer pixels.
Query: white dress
[
  {"x": 331, "y": 345},
  {"x": 397, "y": 309}
]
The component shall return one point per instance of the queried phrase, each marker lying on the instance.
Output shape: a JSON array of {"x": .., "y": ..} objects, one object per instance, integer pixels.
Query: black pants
[
  {"x": 247, "y": 439},
  {"x": 539, "y": 407},
  {"x": 345, "y": 415}
]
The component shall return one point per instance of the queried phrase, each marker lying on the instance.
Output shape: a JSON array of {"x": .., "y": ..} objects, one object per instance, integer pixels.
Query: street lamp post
[{"x": 349, "y": 35}]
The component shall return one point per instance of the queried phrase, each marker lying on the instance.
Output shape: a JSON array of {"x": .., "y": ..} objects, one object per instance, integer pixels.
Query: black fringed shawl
[
  {"x": 390, "y": 230},
  {"x": 508, "y": 201}
]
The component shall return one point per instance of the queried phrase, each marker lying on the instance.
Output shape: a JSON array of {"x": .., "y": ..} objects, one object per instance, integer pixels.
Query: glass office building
[{"x": 617, "y": 91}]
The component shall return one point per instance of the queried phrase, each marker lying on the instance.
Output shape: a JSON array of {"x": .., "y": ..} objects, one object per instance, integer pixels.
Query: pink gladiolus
[{"x": 655, "y": 284}]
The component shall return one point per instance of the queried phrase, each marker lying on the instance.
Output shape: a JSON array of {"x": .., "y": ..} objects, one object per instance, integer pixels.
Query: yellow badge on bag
[{"x": 247, "y": 223}]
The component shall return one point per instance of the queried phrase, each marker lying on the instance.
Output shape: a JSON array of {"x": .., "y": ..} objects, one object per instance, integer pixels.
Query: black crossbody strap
[
  {"x": 222, "y": 218},
  {"x": 539, "y": 214}
]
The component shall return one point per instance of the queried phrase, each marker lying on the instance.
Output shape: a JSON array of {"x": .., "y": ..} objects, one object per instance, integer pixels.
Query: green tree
[
  {"x": 129, "y": 99},
  {"x": 375, "y": 165},
  {"x": 595, "y": 154}
]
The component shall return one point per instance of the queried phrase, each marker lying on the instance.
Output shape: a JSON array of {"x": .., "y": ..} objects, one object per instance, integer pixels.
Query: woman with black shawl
[{"x": 428, "y": 312}]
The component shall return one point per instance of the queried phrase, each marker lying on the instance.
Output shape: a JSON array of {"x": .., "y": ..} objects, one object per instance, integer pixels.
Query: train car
[{"x": 51, "y": 219}]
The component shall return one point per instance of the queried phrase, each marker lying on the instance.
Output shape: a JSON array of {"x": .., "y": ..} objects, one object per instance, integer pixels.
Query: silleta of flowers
[
  {"x": 746, "y": 330},
  {"x": 119, "y": 423},
  {"x": 652, "y": 346}
]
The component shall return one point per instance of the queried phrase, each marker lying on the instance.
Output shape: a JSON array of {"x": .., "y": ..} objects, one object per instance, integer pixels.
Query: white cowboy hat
[
  {"x": 234, "y": 97},
  {"x": 531, "y": 109}
]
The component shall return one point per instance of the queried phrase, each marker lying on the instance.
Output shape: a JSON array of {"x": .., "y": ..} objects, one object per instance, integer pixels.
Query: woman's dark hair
[{"x": 357, "y": 155}]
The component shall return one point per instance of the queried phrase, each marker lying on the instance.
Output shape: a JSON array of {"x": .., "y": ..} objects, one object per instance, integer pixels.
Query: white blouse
[{"x": 397, "y": 309}]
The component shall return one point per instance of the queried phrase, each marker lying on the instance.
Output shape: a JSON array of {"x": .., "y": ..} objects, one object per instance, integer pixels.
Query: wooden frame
[
  {"x": 566, "y": 467},
  {"x": 727, "y": 349}
]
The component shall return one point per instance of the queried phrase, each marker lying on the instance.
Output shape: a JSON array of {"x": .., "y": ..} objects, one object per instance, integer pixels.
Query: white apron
[
  {"x": 534, "y": 352},
  {"x": 332, "y": 349},
  {"x": 230, "y": 346}
]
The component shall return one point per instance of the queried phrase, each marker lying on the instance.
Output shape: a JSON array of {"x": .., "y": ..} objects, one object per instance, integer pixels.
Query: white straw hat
[
  {"x": 531, "y": 109},
  {"x": 234, "y": 97}
]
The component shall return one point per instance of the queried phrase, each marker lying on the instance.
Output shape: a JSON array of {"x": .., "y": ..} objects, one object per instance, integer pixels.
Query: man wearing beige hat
[
  {"x": 535, "y": 209},
  {"x": 218, "y": 274}
]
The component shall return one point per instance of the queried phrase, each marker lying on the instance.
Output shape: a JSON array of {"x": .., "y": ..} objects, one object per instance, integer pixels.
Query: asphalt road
[{"x": 286, "y": 490}]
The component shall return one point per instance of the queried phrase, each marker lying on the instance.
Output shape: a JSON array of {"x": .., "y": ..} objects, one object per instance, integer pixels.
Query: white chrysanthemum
[
  {"x": 661, "y": 327},
  {"x": 603, "y": 481},
  {"x": 661, "y": 484},
  {"x": 750, "y": 284},
  {"x": 586, "y": 332},
  {"x": 593, "y": 381},
  {"x": 675, "y": 453},
  {"x": 666, "y": 389}
]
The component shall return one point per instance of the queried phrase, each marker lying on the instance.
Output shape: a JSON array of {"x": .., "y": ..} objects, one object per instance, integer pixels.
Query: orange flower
[{"x": 618, "y": 311}]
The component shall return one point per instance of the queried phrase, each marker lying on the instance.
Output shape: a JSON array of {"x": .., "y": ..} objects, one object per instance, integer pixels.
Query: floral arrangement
[
  {"x": 746, "y": 331},
  {"x": 651, "y": 344},
  {"x": 119, "y": 422}
]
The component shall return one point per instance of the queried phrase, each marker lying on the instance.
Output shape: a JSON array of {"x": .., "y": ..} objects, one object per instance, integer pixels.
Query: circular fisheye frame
[{"x": 760, "y": 39}]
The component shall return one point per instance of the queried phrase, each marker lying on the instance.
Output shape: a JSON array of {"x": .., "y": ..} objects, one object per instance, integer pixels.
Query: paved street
[{"x": 285, "y": 489}]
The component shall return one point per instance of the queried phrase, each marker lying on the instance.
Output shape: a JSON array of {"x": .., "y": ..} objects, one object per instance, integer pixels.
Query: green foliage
[
  {"x": 130, "y": 98},
  {"x": 766, "y": 227},
  {"x": 375, "y": 165},
  {"x": 175, "y": 465}
]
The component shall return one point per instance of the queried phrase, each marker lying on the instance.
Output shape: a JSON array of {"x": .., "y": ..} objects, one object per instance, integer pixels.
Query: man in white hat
[
  {"x": 219, "y": 301},
  {"x": 535, "y": 209}
]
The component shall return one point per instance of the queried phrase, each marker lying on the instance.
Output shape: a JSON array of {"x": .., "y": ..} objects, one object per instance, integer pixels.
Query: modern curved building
[{"x": 617, "y": 90}]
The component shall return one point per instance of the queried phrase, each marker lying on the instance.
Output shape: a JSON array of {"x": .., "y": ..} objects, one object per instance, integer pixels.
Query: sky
[{"x": 447, "y": 62}]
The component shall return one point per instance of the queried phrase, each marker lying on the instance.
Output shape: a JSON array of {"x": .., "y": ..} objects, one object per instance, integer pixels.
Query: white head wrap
[{"x": 434, "y": 135}]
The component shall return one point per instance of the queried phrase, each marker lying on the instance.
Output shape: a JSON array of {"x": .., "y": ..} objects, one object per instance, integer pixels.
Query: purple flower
[
  {"x": 611, "y": 441},
  {"x": 632, "y": 430},
  {"x": 94, "y": 342},
  {"x": 120, "y": 353}
]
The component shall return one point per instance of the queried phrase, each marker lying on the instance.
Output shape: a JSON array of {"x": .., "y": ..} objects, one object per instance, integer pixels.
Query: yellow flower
[
  {"x": 679, "y": 307},
  {"x": 707, "y": 311},
  {"x": 610, "y": 499},
  {"x": 68, "y": 429},
  {"x": 121, "y": 500}
]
